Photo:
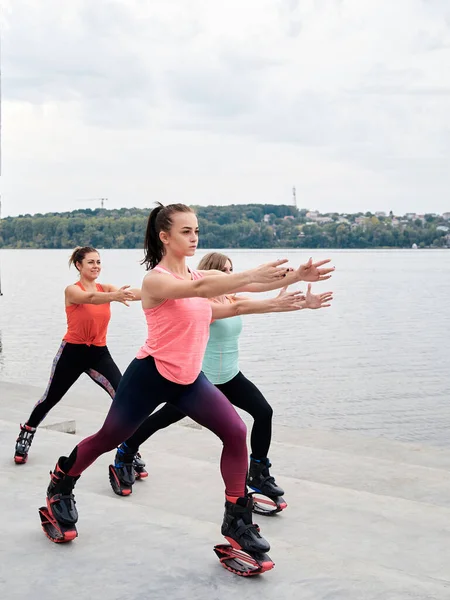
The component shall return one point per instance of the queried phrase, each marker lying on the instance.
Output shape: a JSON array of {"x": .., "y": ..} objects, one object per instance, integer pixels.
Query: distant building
[
  {"x": 312, "y": 214},
  {"x": 288, "y": 218},
  {"x": 446, "y": 216},
  {"x": 324, "y": 220},
  {"x": 442, "y": 228},
  {"x": 380, "y": 213},
  {"x": 411, "y": 216},
  {"x": 266, "y": 218}
]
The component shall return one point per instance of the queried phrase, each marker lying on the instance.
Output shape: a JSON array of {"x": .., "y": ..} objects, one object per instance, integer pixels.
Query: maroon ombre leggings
[{"x": 140, "y": 391}]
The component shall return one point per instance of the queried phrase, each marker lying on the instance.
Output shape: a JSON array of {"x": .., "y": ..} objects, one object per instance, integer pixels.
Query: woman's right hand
[
  {"x": 124, "y": 295},
  {"x": 288, "y": 301},
  {"x": 315, "y": 301},
  {"x": 270, "y": 272}
]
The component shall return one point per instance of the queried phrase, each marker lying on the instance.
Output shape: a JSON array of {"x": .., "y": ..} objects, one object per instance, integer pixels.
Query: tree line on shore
[{"x": 234, "y": 226}]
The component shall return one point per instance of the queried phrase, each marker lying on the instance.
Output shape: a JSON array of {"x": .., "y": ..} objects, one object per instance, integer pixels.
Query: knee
[
  {"x": 265, "y": 413},
  {"x": 238, "y": 432}
]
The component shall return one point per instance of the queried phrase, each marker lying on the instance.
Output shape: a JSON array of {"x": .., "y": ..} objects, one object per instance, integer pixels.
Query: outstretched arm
[
  {"x": 75, "y": 295},
  {"x": 284, "y": 302},
  {"x": 160, "y": 286},
  {"x": 135, "y": 291},
  {"x": 307, "y": 272}
]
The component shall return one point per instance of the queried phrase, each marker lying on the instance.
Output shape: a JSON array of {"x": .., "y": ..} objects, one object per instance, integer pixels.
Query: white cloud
[{"x": 209, "y": 102}]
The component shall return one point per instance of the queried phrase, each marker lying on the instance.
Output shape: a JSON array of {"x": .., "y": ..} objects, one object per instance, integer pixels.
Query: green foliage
[{"x": 235, "y": 226}]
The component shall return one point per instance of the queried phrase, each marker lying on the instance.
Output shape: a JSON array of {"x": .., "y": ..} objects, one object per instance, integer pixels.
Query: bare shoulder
[
  {"x": 72, "y": 294},
  {"x": 150, "y": 276},
  {"x": 71, "y": 288}
]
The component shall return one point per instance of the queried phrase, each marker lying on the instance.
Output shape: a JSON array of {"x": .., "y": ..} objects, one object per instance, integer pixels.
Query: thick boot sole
[
  {"x": 140, "y": 473},
  {"x": 244, "y": 564},
  {"x": 20, "y": 460},
  {"x": 55, "y": 531},
  {"x": 267, "y": 505},
  {"x": 117, "y": 486}
]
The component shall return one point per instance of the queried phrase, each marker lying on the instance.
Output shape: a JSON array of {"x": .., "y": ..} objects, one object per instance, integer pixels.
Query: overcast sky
[{"x": 209, "y": 102}]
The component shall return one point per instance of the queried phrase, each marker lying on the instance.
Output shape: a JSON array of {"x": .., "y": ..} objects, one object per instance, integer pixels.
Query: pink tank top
[{"x": 178, "y": 332}]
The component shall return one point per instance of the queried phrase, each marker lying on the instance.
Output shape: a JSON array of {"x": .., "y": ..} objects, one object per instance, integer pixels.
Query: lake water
[{"x": 377, "y": 362}]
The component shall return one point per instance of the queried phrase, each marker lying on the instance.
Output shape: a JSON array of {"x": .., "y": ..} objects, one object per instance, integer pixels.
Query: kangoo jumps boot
[
  {"x": 238, "y": 527},
  {"x": 139, "y": 467},
  {"x": 122, "y": 473},
  {"x": 260, "y": 480},
  {"x": 23, "y": 444},
  {"x": 59, "y": 517}
]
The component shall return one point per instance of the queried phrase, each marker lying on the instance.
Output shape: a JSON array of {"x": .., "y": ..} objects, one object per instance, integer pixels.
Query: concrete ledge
[
  {"x": 63, "y": 426},
  {"x": 186, "y": 422}
]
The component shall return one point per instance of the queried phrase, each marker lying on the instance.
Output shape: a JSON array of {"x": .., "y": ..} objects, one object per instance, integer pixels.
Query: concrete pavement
[{"x": 368, "y": 519}]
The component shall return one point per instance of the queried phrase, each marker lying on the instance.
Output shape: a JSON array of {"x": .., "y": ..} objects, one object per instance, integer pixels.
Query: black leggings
[
  {"x": 241, "y": 393},
  {"x": 70, "y": 362}
]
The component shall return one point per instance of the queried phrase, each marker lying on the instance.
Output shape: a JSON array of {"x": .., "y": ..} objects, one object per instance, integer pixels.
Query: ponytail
[
  {"x": 78, "y": 254},
  {"x": 158, "y": 220},
  {"x": 153, "y": 247}
]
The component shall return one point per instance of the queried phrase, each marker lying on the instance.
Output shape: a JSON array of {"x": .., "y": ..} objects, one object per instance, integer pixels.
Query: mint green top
[{"x": 221, "y": 360}]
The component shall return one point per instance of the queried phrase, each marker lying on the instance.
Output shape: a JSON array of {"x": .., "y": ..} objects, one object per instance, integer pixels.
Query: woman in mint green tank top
[{"x": 221, "y": 367}]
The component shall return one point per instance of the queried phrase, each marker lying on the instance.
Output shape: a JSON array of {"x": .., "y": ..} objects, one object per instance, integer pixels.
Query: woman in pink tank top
[{"x": 168, "y": 369}]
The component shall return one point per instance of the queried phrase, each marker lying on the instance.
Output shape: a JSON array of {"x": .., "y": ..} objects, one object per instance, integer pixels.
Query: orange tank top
[{"x": 87, "y": 323}]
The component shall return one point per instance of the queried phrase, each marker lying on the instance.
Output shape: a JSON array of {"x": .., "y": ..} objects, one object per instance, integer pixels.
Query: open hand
[
  {"x": 312, "y": 271},
  {"x": 289, "y": 301},
  {"x": 124, "y": 295},
  {"x": 270, "y": 272},
  {"x": 315, "y": 301}
]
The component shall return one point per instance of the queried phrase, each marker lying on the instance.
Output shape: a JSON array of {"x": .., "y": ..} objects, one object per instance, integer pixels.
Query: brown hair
[
  {"x": 159, "y": 220},
  {"x": 79, "y": 253},
  {"x": 214, "y": 260}
]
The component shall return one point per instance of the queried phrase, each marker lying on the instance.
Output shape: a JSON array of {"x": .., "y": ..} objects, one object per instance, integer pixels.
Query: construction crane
[{"x": 101, "y": 200}]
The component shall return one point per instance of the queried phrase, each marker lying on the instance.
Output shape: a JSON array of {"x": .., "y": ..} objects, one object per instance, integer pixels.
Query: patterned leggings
[{"x": 70, "y": 362}]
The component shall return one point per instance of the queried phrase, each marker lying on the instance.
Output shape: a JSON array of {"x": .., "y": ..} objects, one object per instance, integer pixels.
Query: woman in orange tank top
[{"x": 83, "y": 348}]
